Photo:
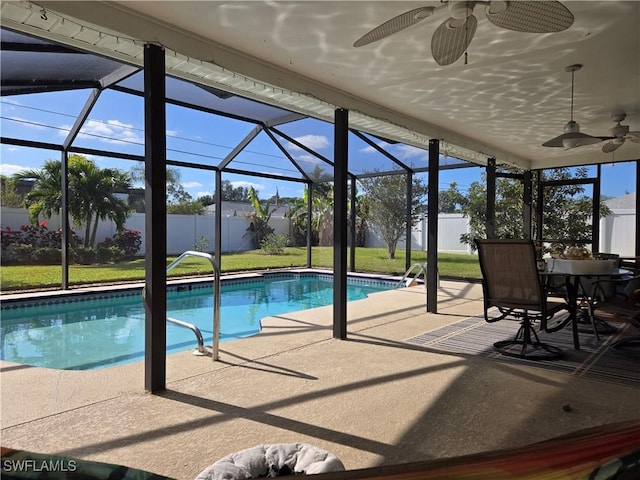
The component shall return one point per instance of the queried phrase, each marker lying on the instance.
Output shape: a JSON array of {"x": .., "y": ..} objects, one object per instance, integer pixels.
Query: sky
[{"x": 116, "y": 123}]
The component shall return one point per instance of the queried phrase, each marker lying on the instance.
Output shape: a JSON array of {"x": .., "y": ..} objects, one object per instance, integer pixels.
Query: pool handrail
[
  {"x": 422, "y": 269},
  {"x": 216, "y": 302},
  {"x": 216, "y": 294},
  {"x": 193, "y": 328}
]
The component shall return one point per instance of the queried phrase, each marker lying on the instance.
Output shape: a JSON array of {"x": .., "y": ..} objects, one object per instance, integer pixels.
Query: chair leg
[
  {"x": 527, "y": 344},
  {"x": 592, "y": 317},
  {"x": 629, "y": 346}
]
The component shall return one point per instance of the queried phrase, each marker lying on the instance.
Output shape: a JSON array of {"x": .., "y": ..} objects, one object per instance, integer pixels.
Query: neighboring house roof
[
  {"x": 626, "y": 202},
  {"x": 244, "y": 208}
]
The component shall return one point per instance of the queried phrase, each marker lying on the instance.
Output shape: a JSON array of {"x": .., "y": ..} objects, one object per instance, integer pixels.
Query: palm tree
[
  {"x": 93, "y": 194},
  {"x": 105, "y": 204},
  {"x": 46, "y": 196},
  {"x": 323, "y": 209}
]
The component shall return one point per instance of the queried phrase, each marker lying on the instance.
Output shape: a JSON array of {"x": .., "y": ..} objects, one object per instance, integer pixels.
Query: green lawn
[{"x": 373, "y": 260}]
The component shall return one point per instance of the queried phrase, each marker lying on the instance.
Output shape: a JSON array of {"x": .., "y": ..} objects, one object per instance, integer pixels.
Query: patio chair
[
  {"x": 618, "y": 301},
  {"x": 511, "y": 283}
]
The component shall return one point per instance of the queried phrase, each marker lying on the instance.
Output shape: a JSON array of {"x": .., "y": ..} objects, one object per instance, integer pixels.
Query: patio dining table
[{"x": 572, "y": 282}]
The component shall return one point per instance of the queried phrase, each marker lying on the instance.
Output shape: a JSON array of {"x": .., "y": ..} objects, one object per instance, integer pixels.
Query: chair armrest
[{"x": 598, "y": 291}]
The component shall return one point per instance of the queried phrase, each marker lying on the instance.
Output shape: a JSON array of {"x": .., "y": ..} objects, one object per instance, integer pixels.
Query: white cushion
[{"x": 272, "y": 460}]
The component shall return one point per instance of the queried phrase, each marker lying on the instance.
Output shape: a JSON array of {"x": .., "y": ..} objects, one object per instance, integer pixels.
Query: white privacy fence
[
  {"x": 450, "y": 227},
  {"x": 184, "y": 232},
  {"x": 618, "y": 232}
]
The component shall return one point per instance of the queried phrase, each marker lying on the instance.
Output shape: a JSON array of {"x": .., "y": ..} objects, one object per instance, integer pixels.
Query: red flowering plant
[
  {"x": 38, "y": 236},
  {"x": 129, "y": 241}
]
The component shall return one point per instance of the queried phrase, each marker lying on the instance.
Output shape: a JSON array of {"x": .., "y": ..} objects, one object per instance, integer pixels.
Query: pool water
[{"x": 93, "y": 334}]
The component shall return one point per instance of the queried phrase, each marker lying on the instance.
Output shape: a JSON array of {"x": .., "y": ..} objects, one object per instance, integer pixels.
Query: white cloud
[
  {"x": 111, "y": 131},
  {"x": 314, "y": 142},
  {"x": 370, "y": 149},
  {"x": 310, "y": 159},
  {"x": 202, "y": 194},
  {"x": 408, "y": 151},
  {"x": 26, "y": 123},
  {"x": 367, "y": 149},
  {"x": 188, "y": 185},
  {"x": 8, "y": 169},
  {"x": 244, "y": 184}
]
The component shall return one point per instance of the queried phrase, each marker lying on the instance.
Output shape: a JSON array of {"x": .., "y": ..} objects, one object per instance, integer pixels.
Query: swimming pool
[{"x": 85, "y": 332}]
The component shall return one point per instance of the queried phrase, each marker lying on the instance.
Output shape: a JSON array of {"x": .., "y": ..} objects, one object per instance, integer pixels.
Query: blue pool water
[{"x": 89, "y": 334}]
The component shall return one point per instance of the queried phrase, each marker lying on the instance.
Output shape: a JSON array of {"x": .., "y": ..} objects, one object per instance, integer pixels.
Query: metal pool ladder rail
[
  {"x": 421, "y": 269},
  {"x": 216, "y": 303},
  {"x": 194, "y": 329}
]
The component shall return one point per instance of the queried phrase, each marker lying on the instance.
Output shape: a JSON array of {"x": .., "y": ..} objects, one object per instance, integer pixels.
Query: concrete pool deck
[{"x": 371, "y": 400}]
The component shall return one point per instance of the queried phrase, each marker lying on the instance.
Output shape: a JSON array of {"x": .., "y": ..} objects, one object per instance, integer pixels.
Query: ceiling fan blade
[
  {"x": 451, "y": 39},
  {"x": 395, "y": 25},
  {"x": 612, "y": 146},
  {"x": 633, "y": 137},
  {"x": 530, "y": 16}
]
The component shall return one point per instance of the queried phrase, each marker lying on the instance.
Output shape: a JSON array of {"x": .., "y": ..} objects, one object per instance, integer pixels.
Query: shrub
[
  {"x": 111, "y": 253},
  {"x": 201, "y": 244},
  {"x": 17, "y": 253},
  {"x": 48, "y": 255},
  {"x": 129, "y": 241},
  {"x": 274, "y": 244},
  {"x": 84, "y": 255},
  {"x": 9, "y": 237},
  {"x": 259, "y": 229},
  {"x": 35, "y": 236}
]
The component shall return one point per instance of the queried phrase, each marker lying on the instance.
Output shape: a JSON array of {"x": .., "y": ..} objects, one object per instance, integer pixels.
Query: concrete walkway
[{"x": 372, "y": 400}]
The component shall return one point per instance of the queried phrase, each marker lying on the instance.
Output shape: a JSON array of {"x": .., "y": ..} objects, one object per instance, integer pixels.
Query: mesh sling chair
[
  {"x": 618, "y": 301},
  {"x": 511, "y": 283}
]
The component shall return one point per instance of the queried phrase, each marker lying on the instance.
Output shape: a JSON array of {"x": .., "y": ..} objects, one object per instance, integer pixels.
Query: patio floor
[{"x": 371, "y": 400}]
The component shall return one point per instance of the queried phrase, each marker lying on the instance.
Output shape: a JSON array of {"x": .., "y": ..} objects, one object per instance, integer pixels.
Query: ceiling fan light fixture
[
  {"x": 572, "y": 137},
  {"x": 460, "y": 10},
  {"x": 495, "y": 7},
  {"x": 584, "y": 140},
  {"x": 570, "y": 142},
  {"x": 572, "y": 127}
]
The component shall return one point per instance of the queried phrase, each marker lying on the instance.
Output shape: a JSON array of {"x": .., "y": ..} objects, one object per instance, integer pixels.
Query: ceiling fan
[
  {"x": 572, "y": 137},
  {"x": 452, "y": 37},
  {"x": 619, "y": 134}
]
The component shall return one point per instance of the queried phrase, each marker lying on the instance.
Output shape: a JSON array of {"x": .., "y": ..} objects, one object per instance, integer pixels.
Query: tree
[
  {"x": 45, "y": 198},
  {"x": 194, "y": 207},
  {"x": 228, "y": 193},
  {"x": 567, "y": 209},
  {"x": 9, "y": 197},
  {"x": 175, "y": 191},
  {"x": 386, "y": 198},
  {"x": 179, "y": 201},
  {"x": 234, "y": 194},
  {"x": 450, "y": 200},
  {"x": 103, "y": 202},
  {"x": 321, "y": 214},
  {"x": 93, "y": 194},
  {"x": 259, "y": 226},
  {"x": 206, "y": 200}
]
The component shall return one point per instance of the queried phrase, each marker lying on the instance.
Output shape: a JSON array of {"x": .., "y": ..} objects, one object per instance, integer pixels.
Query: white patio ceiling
[{"x": 513, "y": 95}]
